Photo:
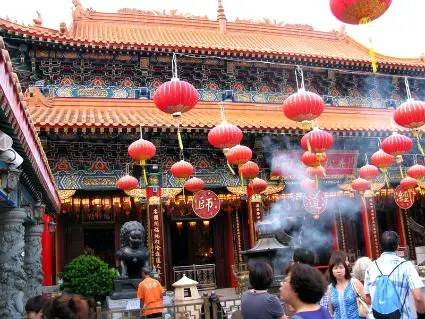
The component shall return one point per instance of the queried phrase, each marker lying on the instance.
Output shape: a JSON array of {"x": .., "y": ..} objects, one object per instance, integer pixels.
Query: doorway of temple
[{"x": 100, "y": 242}]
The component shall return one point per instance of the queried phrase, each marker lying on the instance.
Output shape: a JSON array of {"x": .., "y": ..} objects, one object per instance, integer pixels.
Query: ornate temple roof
[
  {"x": 151, "y": 30},
  {"x": 21, "y": 128},
  {"x": 74, "y": 113}
]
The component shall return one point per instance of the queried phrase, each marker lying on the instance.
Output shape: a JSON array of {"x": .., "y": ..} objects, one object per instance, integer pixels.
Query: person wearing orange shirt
[{"x": 150, "y": 294}]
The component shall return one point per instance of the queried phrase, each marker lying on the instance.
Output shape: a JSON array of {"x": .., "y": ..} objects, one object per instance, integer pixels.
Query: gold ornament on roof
[{"x": 66, "y": 193}]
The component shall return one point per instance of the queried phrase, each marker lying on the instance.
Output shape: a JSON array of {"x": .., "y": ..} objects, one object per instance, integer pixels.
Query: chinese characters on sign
[
  {"x": 206, "y": 204},
  {"x": 156, "y": 231},
  {"x": 315, "y": 203},
  {"x": 404, "y": 198}
]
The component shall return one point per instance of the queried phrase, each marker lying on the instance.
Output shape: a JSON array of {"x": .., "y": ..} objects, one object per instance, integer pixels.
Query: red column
[
  {"x": 400, "y": 226},
  {"x": 46, "y": 252},
  {"x": 334, "y": 227}
]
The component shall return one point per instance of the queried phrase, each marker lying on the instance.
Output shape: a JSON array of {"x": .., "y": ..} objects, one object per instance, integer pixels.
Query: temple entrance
[
  {"x": 100, "y": 243},
  {"x": 197, "y": 238}
]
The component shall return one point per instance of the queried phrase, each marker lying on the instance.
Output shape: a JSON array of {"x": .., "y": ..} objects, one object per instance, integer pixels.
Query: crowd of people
[{"x": 389, "y": 287}]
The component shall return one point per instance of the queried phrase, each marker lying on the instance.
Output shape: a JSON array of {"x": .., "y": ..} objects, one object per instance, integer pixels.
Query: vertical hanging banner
[
  {"x": 257, "y": 212},
  {"x": 157, "y": 236},
  {"x": 371, "y": 226}
]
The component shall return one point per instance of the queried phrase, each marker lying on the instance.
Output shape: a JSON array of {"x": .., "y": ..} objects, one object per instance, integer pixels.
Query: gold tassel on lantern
[
  {"x": 417, "y": 135},
  {"x": 241, "y": 175}
]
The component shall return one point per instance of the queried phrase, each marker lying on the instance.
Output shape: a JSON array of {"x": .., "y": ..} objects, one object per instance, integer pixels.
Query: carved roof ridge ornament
[
  {"x": 39, "y": 20},
  {"x": 79, "y": 11},
  {"x": 165, "y": 13},
  {"x": 34, "y": 98}
]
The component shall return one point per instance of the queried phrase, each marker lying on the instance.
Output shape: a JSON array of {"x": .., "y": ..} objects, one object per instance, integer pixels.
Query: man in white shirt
[{"x": 405, "y": 277}]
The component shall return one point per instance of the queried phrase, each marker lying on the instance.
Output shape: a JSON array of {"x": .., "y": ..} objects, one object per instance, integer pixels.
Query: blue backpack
[{"x": 387, "y": 303}]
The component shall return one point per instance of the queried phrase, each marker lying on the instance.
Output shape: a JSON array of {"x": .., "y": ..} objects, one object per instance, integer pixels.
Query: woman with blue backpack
[{"x": 345, "y": 293}]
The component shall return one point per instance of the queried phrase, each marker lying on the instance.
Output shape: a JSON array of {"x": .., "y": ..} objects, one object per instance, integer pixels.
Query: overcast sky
[{"x": 399, "y": 32}]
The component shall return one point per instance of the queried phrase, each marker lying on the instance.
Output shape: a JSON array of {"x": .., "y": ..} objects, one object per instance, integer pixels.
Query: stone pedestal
[
  {"x": 32, "y": 260},
  {"x": 12, "y": 275},
  {"x": 125, "y": 288}
]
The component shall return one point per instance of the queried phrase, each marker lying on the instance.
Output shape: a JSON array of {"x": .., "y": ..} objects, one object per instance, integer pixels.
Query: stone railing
[{"x": 203, "y": 274}]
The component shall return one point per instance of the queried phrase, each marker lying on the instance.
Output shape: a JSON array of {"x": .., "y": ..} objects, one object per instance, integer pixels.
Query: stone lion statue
[{"x": 133, "y": 254}]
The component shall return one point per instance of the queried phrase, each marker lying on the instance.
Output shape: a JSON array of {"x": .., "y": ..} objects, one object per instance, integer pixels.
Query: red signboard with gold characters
[
  {"x": 206, "y": 204},
  {"x": 404, "y": 198},
  {"x": 315, "y": 203}
]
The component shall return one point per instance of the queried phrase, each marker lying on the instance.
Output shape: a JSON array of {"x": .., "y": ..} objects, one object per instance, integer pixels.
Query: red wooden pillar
[
  {"x": 46, "y": 252},
  {"x": 334, "y": 227},
  {"x": 156, "y": 227},
  {"x": 370, "y": 226}
]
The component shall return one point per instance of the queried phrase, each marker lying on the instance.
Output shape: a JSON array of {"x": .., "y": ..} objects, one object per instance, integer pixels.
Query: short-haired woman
[
  {"x": 303, "y": 288},
  {"x": 343, "y": 290},
  {"x": 257, "y": 302},
  {"x": 69, "y": 306}
]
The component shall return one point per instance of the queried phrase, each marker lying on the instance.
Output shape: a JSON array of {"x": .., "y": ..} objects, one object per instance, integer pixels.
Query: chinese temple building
[{"x": 89, "y": 90}]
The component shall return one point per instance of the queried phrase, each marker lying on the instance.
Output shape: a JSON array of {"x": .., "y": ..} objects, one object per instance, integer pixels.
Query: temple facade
[{"x": 88, "y": 92}]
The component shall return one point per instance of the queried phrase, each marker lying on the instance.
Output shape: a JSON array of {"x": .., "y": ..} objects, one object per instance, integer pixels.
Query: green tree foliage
[{"x": 88, "y": 276}]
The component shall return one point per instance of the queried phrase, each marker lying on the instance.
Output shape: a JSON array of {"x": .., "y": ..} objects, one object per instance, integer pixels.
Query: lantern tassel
[
  {"x": 401, "y": 172},
  {"x": 317, "y": 182},
  {"x": 230, "y": 168},
  {"x": 373, "y": 59},
  {"x": 241, "y": 175},
  {"x": 384, "y": 171},
  {"x": 145, "y": 176},
  {"x": 308, "y": 145},
  {"x": 418, "y": 140}
]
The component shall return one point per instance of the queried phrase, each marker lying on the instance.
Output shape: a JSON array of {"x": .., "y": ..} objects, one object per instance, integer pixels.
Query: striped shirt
[{"x": 404, "y": 277}]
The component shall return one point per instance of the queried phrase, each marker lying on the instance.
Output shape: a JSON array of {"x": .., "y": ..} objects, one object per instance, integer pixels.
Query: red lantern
[
  {"x": 410, "y": 114},
  {"x": 239, "y": 155},
  {"x": 361, "y": 185},
  {"x": 368, "y": 172},
  {"x": 408, "y": 183},
  {"x": 416, "y": 171},
  {"x": 303, "y": 106},
  {"x": 141, "y": 150},
  {"x": 381, "y": 159},
  {"x": 194, "y": 184},
  {"x": 128, "y": 182},
  {"x": 318, "y": 171},
  {"x": 181, "y": 170},
  {"x": 396, "y": 144},
  {"x": 307, "y": 185},
  {"x": 225, "y": 135},
  {"x": 249, "y": 170},
  {"x": 317, "y": 141},
  {"x": 313, "y": 159},
  {"x": 257, "y": 185},
  {"x": 358, "y": 11},
  {"x": 176, "y": 96}
]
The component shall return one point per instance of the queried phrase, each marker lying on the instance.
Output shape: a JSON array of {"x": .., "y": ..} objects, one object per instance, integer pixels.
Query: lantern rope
[
  {"x": 174, "y": 66},
  {"x": 299, "y": 71},
  {"x": 230, "y": 168},
  {"x": 406, "y": 83},
  {"x": 143, "y": 162},
  {"x": 241, "y": 176},
  {"x": 223, "y": 116}
]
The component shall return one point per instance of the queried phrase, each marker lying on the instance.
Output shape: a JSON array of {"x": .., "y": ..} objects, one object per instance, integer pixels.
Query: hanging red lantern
[
  {"x": 194, "y": 184},
  {"x": 416, "y": 171},
  {"x": 358, "y": 11},
  {"x": 257, "y": 185},
  {"x": 313, "y": 159},
  {"x": 303, "y": 106},
  {"x": 408, "y": 183},
  {"x": 225, "y": 135},
  {"x": 361, "y": 185},
  {"x": 176, "y": 96},
  {"x": 239, "y": 155},
  {"x": 307, "y": 185},
  {"x": 181, "y": 170},
  {"x": 318, "y": 171},
  {"x": 249, "y": 170},
  {"x": 396, "y": 144},
  {"x": 410, "y": 114},
  {"x": 368, "y": 172},
  {"x": 317, "y": 141},
  {"x": 141, "y": 150},
  {"x": 128, "y": 182},
  {"x": 381, "y": 159}
]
